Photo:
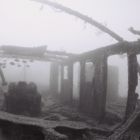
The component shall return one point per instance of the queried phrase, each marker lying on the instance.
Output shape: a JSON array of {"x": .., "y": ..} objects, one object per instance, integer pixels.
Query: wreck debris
[
  {"x": 23, "y": 99},
  {"x": 119, "y": 133},
  {"x": 47, "y": 129}
]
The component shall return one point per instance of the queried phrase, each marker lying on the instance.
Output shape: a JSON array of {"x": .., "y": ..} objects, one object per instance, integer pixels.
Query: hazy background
[{"x": 28, "y": 23}]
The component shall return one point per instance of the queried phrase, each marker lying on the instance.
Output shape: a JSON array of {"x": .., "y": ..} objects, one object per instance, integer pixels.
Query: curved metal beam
[{"x": 83, "y": 17}]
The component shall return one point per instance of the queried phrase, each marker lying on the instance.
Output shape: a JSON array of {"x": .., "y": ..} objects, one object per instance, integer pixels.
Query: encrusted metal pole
[
  {"x": 99, "y": 87},
  {"x": 54, "y": 78},
  {"x": 2, "y": 77},
  {"x": 82, "y": 84},
  {"x": 132, "y": 84},
  {"x": 62, "y": 80},
  {"x": 70, "y": 82},
  {"x": 82, "y": 17}
]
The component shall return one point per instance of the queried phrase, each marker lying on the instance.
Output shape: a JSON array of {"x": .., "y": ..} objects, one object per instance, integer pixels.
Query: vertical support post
[
  {"x": 67, "y": 83},
  {"x": 54, "y": 78},
  {"x": 100, "y": 87},
  {"x": 62, "y": 80},
  {"x": 2, "y": 77},
  {"x": 70, "y": 82},
  {"x": 132, "y": 83},
  {"x": 82, "y": 85}
]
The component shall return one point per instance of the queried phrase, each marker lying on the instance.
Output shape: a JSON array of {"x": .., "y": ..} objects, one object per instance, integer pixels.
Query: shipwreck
[
  {"x": 92, "y": 99},
  {"x": 87, "y": 117}
]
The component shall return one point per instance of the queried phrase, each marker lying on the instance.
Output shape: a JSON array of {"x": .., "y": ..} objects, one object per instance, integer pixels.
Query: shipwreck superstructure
[{"x": 92, "y": 98}]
